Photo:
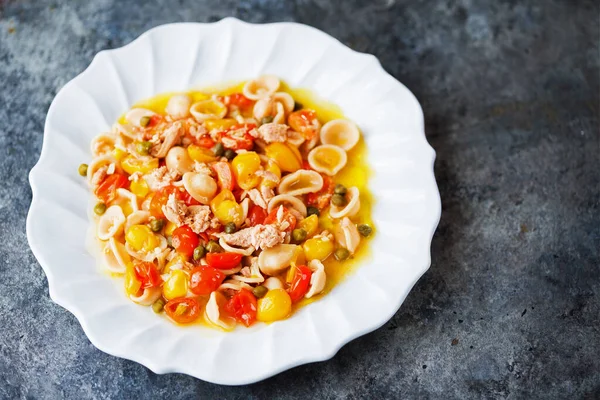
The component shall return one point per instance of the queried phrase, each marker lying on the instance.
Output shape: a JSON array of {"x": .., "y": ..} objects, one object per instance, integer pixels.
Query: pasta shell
[
  {"x": 347, "y": 235},
  {"x": 263, "y": 108},
  {"x": 288, "y": 200},
  {"x": 234, "y": 285},
  {"x": 148, "y": 297},
  {"x": 255, "y": 275},
  {"x": 248, "y": 251},
  {"x": 279, "y": 117},
  {"x": 341, "y": 133},
  {"x": 200, "y": 186},
  {"x": 328, "y": 159},
  {"x": 127, "y": 200},
  {"x": 273, "y": 283},
  {"x": 286, "y": 100},
  {"x": 135, "y": 115},
  {"x": 231, "y": 271},
  {"x": 137, "y": 218},
  {"x": 261, "y": 87},
  {"x": 301, "y": 182},
  {"x": 179, "y": 106},
  {"x": 116, "y": 257},
  {"x": 295, "y": 138},
  {"x": 110, "y": 223},
  {"x": 208, "y": 109},
  {"x": 102, "y": 144},
  {"x": 96, "y": 164},
  {"x": 275, "y": 259},
  {"x": 317, "y": 279},
  {"x": 212, "y": 312},
  {"x": 178, "y": 160},
  {"x": 351, "y": 208}
]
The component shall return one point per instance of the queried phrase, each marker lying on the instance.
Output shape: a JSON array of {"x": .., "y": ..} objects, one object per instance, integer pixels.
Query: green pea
[
  {"x": 219, "y": 149},
  {"x": 156, "y": 225},
  {"x": 266, "y": 120},
  {"x": 340, "y": 189},
  {"x": 213, "y": 247},
  {"x": 310, "y": 210},
  {"x": 230, "y": 227},
  {"x": 143, "y": 148},
  {"x": 259, "y": 292},
  {"x": 298, "y": 235},
  {"x": 199, "y": 252},
  {"x": 341, "y": 254},
  {"x": 158, "y": 306},
  {"x": 144, "y": 121},
  {"x": 83, "y": 169},
  {"x": 365, "y": 230},
  {"x": 298, "y": 106},
  {"x": 338, "y": 200},
  {"x": 229, "y": 154},
  {"x": 100, "y": 208}
]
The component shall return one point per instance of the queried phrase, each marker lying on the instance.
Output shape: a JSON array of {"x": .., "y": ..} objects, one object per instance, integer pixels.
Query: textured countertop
[{"x": 511, "y": 305}]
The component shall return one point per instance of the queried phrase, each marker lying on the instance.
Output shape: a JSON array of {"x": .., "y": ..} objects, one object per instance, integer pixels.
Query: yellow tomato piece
[
  {"x": 287, "y": 157},
  {"x": 317, "y": 248},
  {"x": 275, "y": 170},
  {"x": 179, "y": 259},
  {"x": 132, "y": 285},
  {"x": 274, "y": 306},
  {"x": 310, "y": 225},
  {"x": 229, "y": 211},
  {"x": 140, "y": 237},
  {"x": 170, "y": 228},
  {"x": 244, "y": 167},
  {"x": 119, "y": 154},
  {"x": 144, "y": 166},
  {"x": 200, "y": 154},
  {"x": 219, "y": 124},
  {"x": 139, "y": 188},
  {"x": 176, "y": 285},
  {"x": 211, "y": 109}
]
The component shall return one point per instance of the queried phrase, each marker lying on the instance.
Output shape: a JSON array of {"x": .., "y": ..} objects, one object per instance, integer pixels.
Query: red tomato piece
[
  {"x": 223, "y": 260},
  {"x": 256, "y": 215},
  {"x": 188, "y": 199},
  {"x": 205, "y": 280},
  {"x": 238, "y": 137},
  {"x": 300, "y": 283},
  {"x": 287, "y": 217},
  {"x": 154, "y": 120},
  {"x": 183, "y": 310},
  {"x": 206, "y": 142},
  {"x": 242, "y": 306},
  {"x": 107, "y": 190},
  {"x": 224, "y": 175},
  {"x": 305, "y": 122},
  {"x": 321, "y": 198},
  {"x": 238, "y": 99},
  {"x": 185, "y": 240},
  {"x": 147, "y": 274},
  {"x": 160, "y": 198}
]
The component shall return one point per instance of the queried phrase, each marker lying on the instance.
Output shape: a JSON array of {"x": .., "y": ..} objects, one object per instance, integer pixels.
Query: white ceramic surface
[{"x": 180, "y": 56}]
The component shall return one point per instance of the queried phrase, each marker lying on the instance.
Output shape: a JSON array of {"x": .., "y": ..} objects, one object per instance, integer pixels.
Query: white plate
[{"x": 177, "y": 57}]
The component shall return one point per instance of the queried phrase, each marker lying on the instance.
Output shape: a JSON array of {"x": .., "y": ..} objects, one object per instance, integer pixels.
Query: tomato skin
[
  {"x": 147, "y": 274},
  {"x": 205, "y": 280},
  {"x": 321, "y": 198},
  {"x": 242, "y": 306},
  {"x": 242, "y": 142},
  {"x": 107, "y": 190},
  {"x": 190, "y": 313},
  {"x": 185, "y": 240},
  {"x": 160, "y": 198},
  {"x": 188, "y": 199},
  {"x": 238, "y": 99},
  {"x": 305, "y": 122},
  {"x": 300, "y": 283},
  {"x": 224, "y": 175},
  {"x": 154, "y": 120},
  {"x": 287, "y": 216},
  {"x": 256, "y": 215},
  {"x": 223, "y": 260},
  {"x": 206, "y": 142}
]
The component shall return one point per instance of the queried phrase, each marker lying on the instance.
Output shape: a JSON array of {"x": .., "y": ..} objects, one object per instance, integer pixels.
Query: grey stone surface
[{"x": 511, "y": 305}]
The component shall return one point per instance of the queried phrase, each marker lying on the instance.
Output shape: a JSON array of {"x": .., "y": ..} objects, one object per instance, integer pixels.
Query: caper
[
  {"x": 297, "y": 106},
  {"x": 338, "y": 200},
  {"x": 83, "y": 169},
  {"x": 229, "y": 154},
  {"x": 259, "y": 292},
  {"x": 340, "y": 189},
  {"x": 365, "y": 230},
  {"x": 213, "y": 247},
  {"x": 266, "y": 120},
  {"x": 143, "y": 148},
  {"x": 158, "y": 306},
  {"x": 170, "y": 241},
  {"x": 230, "y": 227},
  {"x": 157, "y": 224},
  {"x": 298, "y": 235},
  {"x": 310, "y": 210},
  {"x": 341, "y": 254},
  {"x": 199, "y": 252},
  {"x": 219, "y": 149},
  {"x": 100, "y": 208},
  {"x": 144, "y": 121}
]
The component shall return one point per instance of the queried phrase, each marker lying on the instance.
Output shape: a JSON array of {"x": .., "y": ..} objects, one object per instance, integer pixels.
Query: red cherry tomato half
[
  {"x": 185, "y": 240},
  {"x": 224, "y": 175},
  {"x": 300, "y": 283},
  {"x": 321, "y": 198},
  {"x": 160, "y": 198},
  {"x": 147, "y": 274},
  {"x": 205, "y": 280},
  {"x": 223, "y": 260},
  {"x": 183, "y": 310},
  {"x": 243, "y": 307},
  {"x": 241, "y": 141},
  {"x": 238, "y": 99},
  {"x": 107, "y": 190},
  {"x": 206, "y": 142},
  {"x": 304, "y": 121},
  {"x": 287, "y": 217},
  {"x": 256, "y": 215},
  {"x": 188, "y": 199}
]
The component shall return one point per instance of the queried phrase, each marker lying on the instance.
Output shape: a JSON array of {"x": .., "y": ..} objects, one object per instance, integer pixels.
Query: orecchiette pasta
[
  {"x": 351, "y": 208},
  {"x": 135, "y": 116},
  {"x": 148, "y": 296},
  {"x": 213, "y": 311},
  {"x": 111, "y": 223},
  {"x": 103, "y": 144},
  {"x": 200, "y": 186},
  {"x": 341, "y": 133},
  {"x": 317, "y": 279},
  {"x": 347, "y": 235},
  {"x": 262, "y": 87},
  {"x": 287, "y": 200},
  {"x": 301, "y": 182},
  {"x": 116, "y": 257},
  {"x": 178, "y": 160},
  {"x": 208, "y": 109},
  {"x": 276, "y": 259},
  {"x": 328, "y": 159},
  {"x": 179, "y": 106}
]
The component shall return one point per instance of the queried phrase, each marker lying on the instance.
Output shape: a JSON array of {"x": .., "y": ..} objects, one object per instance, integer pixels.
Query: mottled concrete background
[{"x": 511, "y": 305}]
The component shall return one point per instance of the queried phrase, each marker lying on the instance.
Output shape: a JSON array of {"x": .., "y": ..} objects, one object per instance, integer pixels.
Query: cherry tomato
[
  {"x": 188, "y": 199},
  {"x": 238, "y": 99},
  {"x": 321, "y": 198},
  {"x": 183, "y": 310},
  {"x": 223, "y": 260},
  {"x": 185, "y": 240},
  {"x": 305, "y": 122},
  {"x": 107, "y": 190},
  {"x": 287, "y": 216},
  {"x": 160, "y": 198},
  {"x": 147, "y": 274},
  {"x": 205, "y": 280},
  {"x": 243, "y": 141},
  {"x": 300, "y": 283},
  {"x": 256, "y": 215},
  {"x": 224, "y": 175},
  {"x": 206, "y": 142},
  {"x": 243, "y": 307}
]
